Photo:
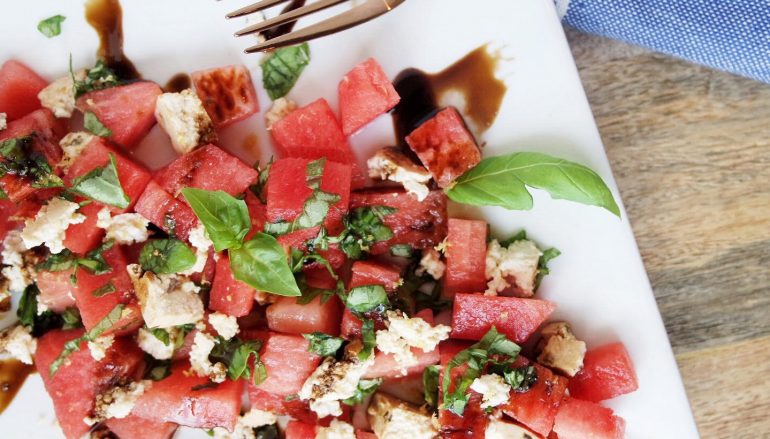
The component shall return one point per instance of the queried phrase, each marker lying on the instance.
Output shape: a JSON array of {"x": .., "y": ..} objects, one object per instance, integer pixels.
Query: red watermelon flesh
[
  {"x": 288, "y": 316},
  {"x": 365, "y": 93},
  {"x": 466, "y": 255},
  {"x": 299, "y": 430},
  {"x": 57, "y": 292},
  {"x": 475, "y": 314},
  {"x": 8, "y": 221},
  {"x": 227, "y": 93},
  {"x": 19, "y": 86},
  {"x": 375, "y": 273},
  {"x": 537, "y": 407},
  {"x": 161, "y": 209},
  {"x": 86, "y": 236},
  {"x": 607, "y": 372},
  {"x": 288, "y": 363},
  {"x": 229, "y": 295},
  {"x": 43, "y": 123},
  {"x": 134, "y": 427},
  {"x": 584, "y": 419}
]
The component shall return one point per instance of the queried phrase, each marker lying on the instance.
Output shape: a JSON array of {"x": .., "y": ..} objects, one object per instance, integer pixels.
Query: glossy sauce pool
[{"x": 13, "y": 373}]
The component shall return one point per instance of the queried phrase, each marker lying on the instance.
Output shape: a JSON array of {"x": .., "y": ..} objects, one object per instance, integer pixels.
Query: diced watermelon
[
  {"x": 299, "y": 430},
  {"x": 418, "y": 224},
  {"x": 208, "y": 168},
  {"x": 86, "y": 236},
  {"x": 257, "y": 213},
  {"x": 288, "y": 364},
  {"x": 365, "y": 93},
  {"x": 445, "y": 146},
  {"x": 607, "y": 372},
  {"x": 584, "y": 419},
  {"x": 229, "y": 295},
  {"x": 132, "y": 427},
  {"x": 287, "y": 191},
  {"x": 351, "y": 325},
  {"x": 286, "y": 315},
  {"x": 360, "y": 434},
  {"x": 43, "y": 123},
  {"x": 128, "y": 110},
  {"x": 386, "y": 366},
  {"x": 471, "y": 425},
  {"x": 163, "y": 210},
  {"x": 298, "y": 240},
  {"x": 187, "y": 399},
  {"x": 74, "y": 386},
  {"x": 7, "y": 217},
  {"x": 466, "y": 255},
  {"x": 227, "y": 93},
  {"x": 19, "y": 86},
  {"x": 475, "y": 314},
  {"x": 537, "y": 407},
  {"x": 94, "y": 309},
  {"x": 266, "y": 401},
  {"x": 57, "y": 292},
  {"x": 375, "y": 273}
]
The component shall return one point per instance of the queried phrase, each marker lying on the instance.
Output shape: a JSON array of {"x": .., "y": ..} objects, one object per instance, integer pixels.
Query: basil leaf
[
  {"x": 281, "y": 69},
  {"x": 98, "y": 77},
  {"x": 71, "y": 318},
  {"x": 24, "y": 161},
  {"x": 102, "y": 185},
  {"x": 73, "y": 345},
  {"x": 363, "y": 389},
  {"x": 93, "y": 261},
  {"x": 161, "y": 334},
  {"x": 104, "y": 290},
  {"x": 236, "y": 354},
  {"x": 156, "y": 370},
  {"x": 364, "y": 226},
  {"x": 430, "y": 385},
  {"x": 502, "y": 181},
  {"x": 166, "y": 256},
  {"x": 366, "y": 298},
  {"x": 261, "y": 263},
  {"x": 322, "y": 344},
  {"x": 51, "y": 26},
  {"x": 542, "y": 264},
  {"x": 521, "y": 379},
  {"x": 368, "y": 338},
  {"x": 225, "y": 217},
  {"x": 61, "y": 261},
  {"x": 39, "y": 324},
  {"x": 258, "y": 188},
  {"x": 94, "y": 125},
  {"x": 401, "y": 250},
  {"x": 521, "y": 235}
]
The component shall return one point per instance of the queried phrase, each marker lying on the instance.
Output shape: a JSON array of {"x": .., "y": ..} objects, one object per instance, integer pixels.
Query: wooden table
[{"x": 690, "y": 148}]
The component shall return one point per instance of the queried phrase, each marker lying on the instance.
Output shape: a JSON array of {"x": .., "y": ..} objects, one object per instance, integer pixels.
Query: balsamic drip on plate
[
  {"x": 106, "y": 17},
  {"x": 177, "y": 83},
  {"x": 13, "y": 373}
]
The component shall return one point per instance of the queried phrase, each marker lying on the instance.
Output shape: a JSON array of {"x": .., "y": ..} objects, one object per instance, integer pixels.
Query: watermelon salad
[{"x": 311, "y": 296}]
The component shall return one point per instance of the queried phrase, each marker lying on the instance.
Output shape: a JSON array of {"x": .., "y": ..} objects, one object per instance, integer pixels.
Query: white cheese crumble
[
  {"x": 335, "y": 380},
  {"x": 59, "y": 96},
  {"x": 166, "y": 300},
  {"x": 336, "y": 430},
  {"x": 3, "y": 121},
  {"x": 18, "y": 270},
  {"x": 125, "y": 228},
  {"x": 72, "y": 146},
  {"x": 50, "y": 224},
  {"x": 117, "y": 402},
  {"x": 494, "y": 390},
  {"x": 185, "y": 120},
  {"x": 560, "y": 350},
  {"x": 391, "y": 164},
  {"x": 199, "y": 358},
  {"x": 431, "y": 263},
  {"x": 281, "y": 108},
  {"x": 405, "y": 333},
  {"x": 201, "y": 242},
  {"x": 156, "y": 348},
  {"x": 18, "y": 342},
  {"x": 518, "y": 261},
  {"x": 391, "y": 418},
  {"x": 244, "y": 427},
  {"x": 226, "y": 326},
  {"x": 98, "y": 347}
]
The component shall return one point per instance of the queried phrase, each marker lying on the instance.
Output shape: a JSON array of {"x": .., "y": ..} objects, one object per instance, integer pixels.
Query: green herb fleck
[
  {"x": 282, "y": 68},
  {"x": 235, "y": 354},
  {"x": 364, "y": 226},
  {"x": 322, "y": 344},
  {"x": 102, "y": 185},
  {"x": 261, "y": 262},
  {"x": 112, "y": 318},
  {"x": 367, "y": 298},
  {"x": 51, "y": 26},
  {"x": 430, "y": 385},
  {"x": 97, "y": 78},
  {"x": 369, "y": 339},
  {"x": 225, "y": 217},
  {"x": 364, "y": 389},
  {"x": 94, "y": 125},
  {"x": 23, "y": 161},
  {"x": 166, "y": 256},
  {"x": 105, "y": 289}
]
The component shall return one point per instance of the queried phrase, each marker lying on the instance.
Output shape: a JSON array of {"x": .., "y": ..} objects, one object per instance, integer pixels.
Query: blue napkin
[{"x": 731, "y": 35}]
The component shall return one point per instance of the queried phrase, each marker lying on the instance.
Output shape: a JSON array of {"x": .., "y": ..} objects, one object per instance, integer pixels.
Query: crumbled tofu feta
[
  {"x": 117, "y": 402},
  {"x": 244, "y": 427},
  {"x": 201, "y": 242},
  {"x": 519, "y": 261},
  {"x": 405, "y": 333},
  {"x": 18, "y": 342},
  {"x": 336, "y": 430},
  {"x": 199, "y": 358},
  {"x": 560, "y": 350},
  {"x": 156, "y": 348},
  {"x": 3, "y": 121},
  {"x": 166, "y": 300},
  {"x": 19, "y": 264},
  {"x": 98, "y": 347},
  {"x": 185, "y": 120},
  {"x": 335, "y": 380},
  {"x": 431, "y": 263},
  {"x": 72, "y": 146},
  {"x": 391, "y": 164},
  {"x": 59, "y": 96},
  {"x": 497, "y": 429},
  {"x": 391, "y": 418},
  {"x": 50, "y": 224},
  {"x": 494, "y": 390},
  {"x": 281, "y": 108},
  {"x": 126, "y": 228},
  {"x": 226, "y": 326}
]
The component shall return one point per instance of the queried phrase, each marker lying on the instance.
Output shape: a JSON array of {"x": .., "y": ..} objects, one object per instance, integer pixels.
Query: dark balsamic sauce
[
  {"x": 177, "y": 83},
  {"x": 13, "y": 373},
  {"x": 284, "y": 28},
  {"x": 106, "y": 17}
]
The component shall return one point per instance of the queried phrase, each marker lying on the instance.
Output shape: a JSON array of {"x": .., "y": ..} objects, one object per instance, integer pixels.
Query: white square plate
[{"x": 599, "y": 282}]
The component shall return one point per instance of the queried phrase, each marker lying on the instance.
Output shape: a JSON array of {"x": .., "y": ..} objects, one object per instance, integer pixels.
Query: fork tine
[
  {"x": 289, "y": 16},
  {"x": 256, "y": 7},
  {"x": 359, "y": 14}
]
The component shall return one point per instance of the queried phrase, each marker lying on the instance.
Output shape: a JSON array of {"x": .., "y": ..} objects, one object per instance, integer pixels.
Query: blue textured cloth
[{"x": 731, "y": 35}]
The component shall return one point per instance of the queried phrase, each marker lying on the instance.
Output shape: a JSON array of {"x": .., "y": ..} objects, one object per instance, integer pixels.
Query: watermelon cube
[
  {"x": 227, "y": 93},
  {"x": 19, "y": 86},
  {"x": 288, "y": 363},
  {"x": 288, "y": 316},
  {"x": 537, "y": 407},
  {"x": 607, "y": 372},
  {"x": 471, "y": 425},
  {"x": 474, "y": 315},
  {"x": 584, "y": 419},
  {"x": 127, "y": 110},
  {"x": 299, "y": 430},
  {"x": 57, "y": 292},
  {"x": 165, "y": 211},
  {"x": 299, "y": 239},
  {"x": 86, "y": 236},
  {"x": 229, "y": 295},
  {"x": 43, "y": 123},
  {"x": 466, "y": 255},
  {"x": 8, "y": 219},
  {"x": 375, "y": 273},
  {"x": 133, "y": 426},
  {"x": 208, "y": 168},
  {"x": 365, "y": 93},
  {"x": 445, "y": 146}
]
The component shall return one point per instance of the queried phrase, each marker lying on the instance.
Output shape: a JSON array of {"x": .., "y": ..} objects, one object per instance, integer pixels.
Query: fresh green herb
[
  {"x": 93, "y": 261},
  {"x": 39, "y": 323},
  {"x": 258, "y": 188},
  {"x": 71, "y": 318},
  {"x": 3, "y": 195},
  {"x": 402, "y": 250},
  {"x": 322, "y": 344},
  {"x": 430, "y": 385},
  {"x": 97, "y": 78},
  {"x": 22, "y": 160},
  {"x": 282, "y": 68},
  {"x": 161, "y": 334},
  {"x": 521, "y": 379},
  {"x": 105, "y": 289},
  {"x": 51, "y": 26},
  {"x": 310, "y": 293},
  {"x": 156, "y": 370},
  {"x": 112, "y": 318},
  {"x": 261, "y": 263},
  {"x": 169, "y": 224},
  {"x": 225, "y": 217},
  {"x": 94, "y": 125},
  {"x": 210, "y": 433},
  {"x": 235, "y": 354},
  {"x": 102, "y": 185},
  {"x": 364, "y": 226},
  {"x": 542, "y": 264},
  {"x": 266, "y": 432},
  {"x": 166, "y": 256},
  {"x": 364, "y": 389},
  {"x": 368, "y": 338},
  {"x": 521, "y": 235},
  {"x": 367, "y": 298},
  {"x": 503, "y": 181}
]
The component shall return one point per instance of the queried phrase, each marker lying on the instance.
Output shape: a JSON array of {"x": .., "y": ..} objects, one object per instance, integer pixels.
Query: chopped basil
[
  {"x": 105, "y": 289},
  {"x": 156, "y": 370},
  {"x": 161, "y": 334},
  {"x": 235, "y": 354},
  {"x": 71, "y": 318},
  {"x": 542, "y": 264},
  {"x": 93, "y": 261},
  {"x": 521, "y": 379},
  {"x": 310, "y": 293},
  {"x": 102, "y": 185},
  {"x": 322, "y": 344},
  {"x": 368, "y": 338},
  {"x": 73, "y": 345},
  {"x": 94, "y": 125},
  {"x": 258, "y": 188},
  {"x": 364, "y": 389},
  {"x": 51, "y": 26},
  {"x": 22, "y": 160},
  {"x": 261, "y": 263},
  {"x": 503, "y": 181},
  {"x": 97, "y": 78},
  {"x": 430, "y": 385},
  {"x": 402, "y": 250},
  {"x": 166, "y": 256},
  {"x": 364, "y": 226},
  {"x": 521, "y": 235},
  {"x": 225, "y": 217},
  {"x": 282, "y": 68},
  {"x": 366, "y": 298}
]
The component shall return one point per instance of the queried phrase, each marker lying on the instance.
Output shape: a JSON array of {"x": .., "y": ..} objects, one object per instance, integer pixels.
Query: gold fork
[{"x": 353, "y": 17}]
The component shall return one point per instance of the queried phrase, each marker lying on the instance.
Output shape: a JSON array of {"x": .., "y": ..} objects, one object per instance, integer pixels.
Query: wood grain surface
[{"x": 690, "y": 148}]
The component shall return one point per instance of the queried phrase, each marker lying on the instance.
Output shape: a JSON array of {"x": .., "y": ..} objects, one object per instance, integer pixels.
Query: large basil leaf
[
  {"x": 166, "y": 256},
  {"x": 225, "y": 217},
  {"x": 281, "y": 69},
  {"x": 102, "y": 185},
  {"x": 261, "y": 262}
]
